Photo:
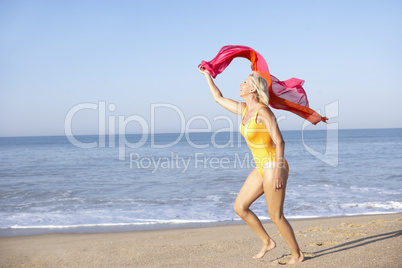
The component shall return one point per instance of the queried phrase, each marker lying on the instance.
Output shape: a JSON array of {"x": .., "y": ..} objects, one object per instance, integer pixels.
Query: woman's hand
[
  {"x": 203, "y": 71},
  {"x": 278, "y": 179}
]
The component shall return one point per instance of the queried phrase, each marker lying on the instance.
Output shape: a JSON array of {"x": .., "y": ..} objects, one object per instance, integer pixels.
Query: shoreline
[
  {"x": 123, "y": 227},
  {"x": 351, "y": 241}
]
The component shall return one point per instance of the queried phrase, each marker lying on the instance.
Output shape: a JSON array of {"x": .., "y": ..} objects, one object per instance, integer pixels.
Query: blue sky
[{"x": 55, "y": 55}]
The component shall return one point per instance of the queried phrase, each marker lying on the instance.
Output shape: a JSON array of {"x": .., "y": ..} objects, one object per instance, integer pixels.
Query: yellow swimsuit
[{"x": 259, "y": 141}]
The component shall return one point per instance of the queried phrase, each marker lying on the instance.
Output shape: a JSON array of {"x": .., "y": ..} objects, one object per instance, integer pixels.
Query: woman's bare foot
[
  {"x": 269, "y": 245},
  {"x": 297, "y": 258}
]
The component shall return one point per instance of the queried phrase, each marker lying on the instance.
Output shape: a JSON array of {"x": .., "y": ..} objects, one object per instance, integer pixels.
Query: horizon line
[{"x": 106, "y": 135}]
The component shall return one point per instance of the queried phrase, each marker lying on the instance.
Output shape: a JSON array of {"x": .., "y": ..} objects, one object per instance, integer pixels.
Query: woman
[{"x": 260, "y": 130}]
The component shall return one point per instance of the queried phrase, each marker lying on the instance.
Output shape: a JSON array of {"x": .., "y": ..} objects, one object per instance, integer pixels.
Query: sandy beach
[{"x": 355, "y": 241}]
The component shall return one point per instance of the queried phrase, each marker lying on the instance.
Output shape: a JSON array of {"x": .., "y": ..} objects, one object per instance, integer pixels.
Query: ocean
[{"x": 175, "y": 180}]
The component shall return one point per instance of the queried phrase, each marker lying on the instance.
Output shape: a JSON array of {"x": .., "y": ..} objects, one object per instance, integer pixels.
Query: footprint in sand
[
  {"x": 379, "y": 221},
  {"x": 354, "y": 234},
  {"x": 376, "y": 223},
  {"x": 373, "y": 223},
  {"x": 335, "y": 231},
  {"x": 314, "y": 229},
  {"x": 351, "y": 224},
  {"x": 298, "y": 233}
]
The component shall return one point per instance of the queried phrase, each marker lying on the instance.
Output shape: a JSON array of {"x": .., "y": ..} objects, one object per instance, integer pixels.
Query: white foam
[
  {"x": 141, "y": 222},
  {"x": 386, "y": 205}
]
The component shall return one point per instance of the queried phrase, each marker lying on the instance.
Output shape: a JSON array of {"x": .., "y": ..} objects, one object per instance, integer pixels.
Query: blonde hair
[{"x": 262, "y": 87}]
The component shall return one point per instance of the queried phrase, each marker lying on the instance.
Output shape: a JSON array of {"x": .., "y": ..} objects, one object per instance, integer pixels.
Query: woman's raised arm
[{"x": 229, "y": 104}]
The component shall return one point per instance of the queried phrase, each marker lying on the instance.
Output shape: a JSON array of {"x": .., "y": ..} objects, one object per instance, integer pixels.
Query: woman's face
[{"x": 246, "y": 87}]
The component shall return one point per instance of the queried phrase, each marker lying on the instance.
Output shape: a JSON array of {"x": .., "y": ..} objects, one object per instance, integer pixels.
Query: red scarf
[{"x": 286, "y": 95}]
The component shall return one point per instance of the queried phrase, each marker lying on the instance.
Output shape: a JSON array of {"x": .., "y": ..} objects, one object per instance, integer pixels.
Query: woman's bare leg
[
  {"x": 275, "y": 200},
  {"x": 252, "y": 189}
]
